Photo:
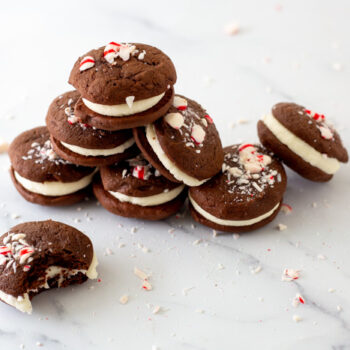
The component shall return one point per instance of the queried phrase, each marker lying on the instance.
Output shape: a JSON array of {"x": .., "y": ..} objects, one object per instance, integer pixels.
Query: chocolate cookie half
[
  {"x": 245, "y": 196},
  {"x": 123, "y": 85},
  {"x": 184, "y": 145},
  {"x": 36, "y": 256},
  {"x": 304, "y": 140},
  {"x": 81, "y": 143},
  {"x": 41, "y": 176},
  {"x": 135, "y": 189}
]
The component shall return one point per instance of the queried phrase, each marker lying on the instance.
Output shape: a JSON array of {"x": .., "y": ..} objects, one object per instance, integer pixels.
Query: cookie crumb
[
  {"x": 255, "y": 270},
  {"x": 4, "y": 146},
  {"x": 232, "y": 28},
  {"x": 124, "y": 299},
  {"x": 297, "y": 318},
  {"x": 282, "y": 227}
]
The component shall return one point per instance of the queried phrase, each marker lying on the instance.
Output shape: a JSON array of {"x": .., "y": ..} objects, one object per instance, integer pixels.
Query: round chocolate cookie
[
  {"x": 245, "y": 195},
  {"x": 36, "y": 256},
  {"x": 135, "y": 189},
  {"x": 123, "y": 85},
  {"x": 81, "y": 143},
  {"x": 184, "y": 145},
  {"x": 304, "y": 140},
  {"x": 41, "y": 176}
]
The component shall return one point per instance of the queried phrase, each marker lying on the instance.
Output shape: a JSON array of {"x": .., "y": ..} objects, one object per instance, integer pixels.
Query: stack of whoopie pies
[{"x": 149, "y": 145}]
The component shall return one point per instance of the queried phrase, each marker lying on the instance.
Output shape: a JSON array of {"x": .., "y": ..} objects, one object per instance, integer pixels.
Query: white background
[{"x": 285, "y": 51}]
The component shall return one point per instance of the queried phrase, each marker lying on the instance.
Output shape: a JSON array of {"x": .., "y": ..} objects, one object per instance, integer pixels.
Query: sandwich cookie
[
  {"x": 135, "y": 189},
  {"x": 304, "y": 140},
  {"x": 40, "y": 255},
  {"x": 246, "y": 195},
  {"x": 41, "y": 176},
  {"x": 81, "y": 143},
  {"x": 123, "y": 85},
  {"x": 184, "y": 145}
]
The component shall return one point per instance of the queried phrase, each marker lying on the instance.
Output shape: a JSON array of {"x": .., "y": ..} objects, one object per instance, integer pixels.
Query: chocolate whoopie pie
[
  {"x": 36, "y": 256},
  {"x": 246, "y": 195},
  {"x": 184, "y": 145},
  {"x": 135, "y": 189},
  {"x": 81, "y": 143},
  {"x": 304, "y": 140},
  {"x": 123, "y": 85},
  {"x": 41, "y": 176}
]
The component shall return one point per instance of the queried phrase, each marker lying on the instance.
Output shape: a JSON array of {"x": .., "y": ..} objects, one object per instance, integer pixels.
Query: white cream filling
[
  {"x": 99, "y": 152},
  {"x": 149, "y": 201},
  {"x": 123, "y": 109},
  {"x": 55, "y": 188},
  {"x": 168, "y": 164},
  {"x": 223, "y": 222},
  {"x": 300, "y": 147},
  {"x": 22, "y": 303}
]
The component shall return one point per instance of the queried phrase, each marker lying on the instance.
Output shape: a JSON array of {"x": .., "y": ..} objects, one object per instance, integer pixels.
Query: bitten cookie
[
  {"x": 123, "y": 85},
  {"x": 41, "y": 176},
  {"x": 135, "y": 189},
  {"x": 184, "y": 145},
  {"x": 245, "y": 196},
  {"x": 81, "y": 143},
  {"x": 36, "y": 256},
  {"x": 303, "y": 140}
]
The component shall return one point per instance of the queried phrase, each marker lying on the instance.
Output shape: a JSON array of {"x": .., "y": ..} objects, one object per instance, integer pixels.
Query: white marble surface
[{"x": 286, "y": 50}]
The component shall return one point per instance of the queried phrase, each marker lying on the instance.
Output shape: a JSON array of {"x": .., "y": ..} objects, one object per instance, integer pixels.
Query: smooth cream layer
[
  {"x": 223, "y": 222},
  {"x": 168, "y": 164},
  {"x": 22, "y": 303},
  {"x": 55, "y": 188},
  {"x": 149, "y": 201},
  {"x": 99, "y": 152},
  {"x": 123, "y": 109},
  {"x": 300, "y": 147}
]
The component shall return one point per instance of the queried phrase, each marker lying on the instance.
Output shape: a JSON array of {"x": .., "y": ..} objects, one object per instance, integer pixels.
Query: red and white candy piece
[
  {"x": 110, "y": 51},
  {"x": 4, "y": 250},
  {"x": 326, "y": 132},
  {"x": 286, "y": 208},
  {"x": 180, "y": 103},
  {"x": 141, "y": 172},
  {"x": 209, "y": 119},
  {"x": 197, "y": 134},
  {"x": 314, "y": 115},
  {"x": 86, "y": 63},
  {"x": 253, "y": 161},
  {"x": 26, "y": 268},
  {"x": 290, "y": 275},
  {"x": 298, "y": 299},
  {"x": 175, "y": 120},
  {"x": 25, "y": 253}
]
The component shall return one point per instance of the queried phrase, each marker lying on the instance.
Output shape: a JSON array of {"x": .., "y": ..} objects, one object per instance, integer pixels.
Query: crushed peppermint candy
[
  {"x": 248, "y": 171},
  {"x": 297, "y": 300},
  {"x": 16, "y": 251},
  {"x": 86, "y": 63},
  {"x": 130, "y": 101},
  {"x": 139, "y": 168},
  {"x": 325, "y": 128},
  {"x": 114, "y": 50},
  {"x": 180, "y": 103},
  {"x": 282, "y": 227},
  {"x": 175, "y": 120},
  {"x": 197, "y": 134},
  {"x": 42, "y": 153},
  {"x": 286, "y": 208},
  {"x": 124, "y": 299},
  {"x": 290, "y": 275},
  {"x": 232, "y": 28}
]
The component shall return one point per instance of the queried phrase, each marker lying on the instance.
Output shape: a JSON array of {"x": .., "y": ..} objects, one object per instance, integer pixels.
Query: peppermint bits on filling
[{"x": 86, "y": 63}]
